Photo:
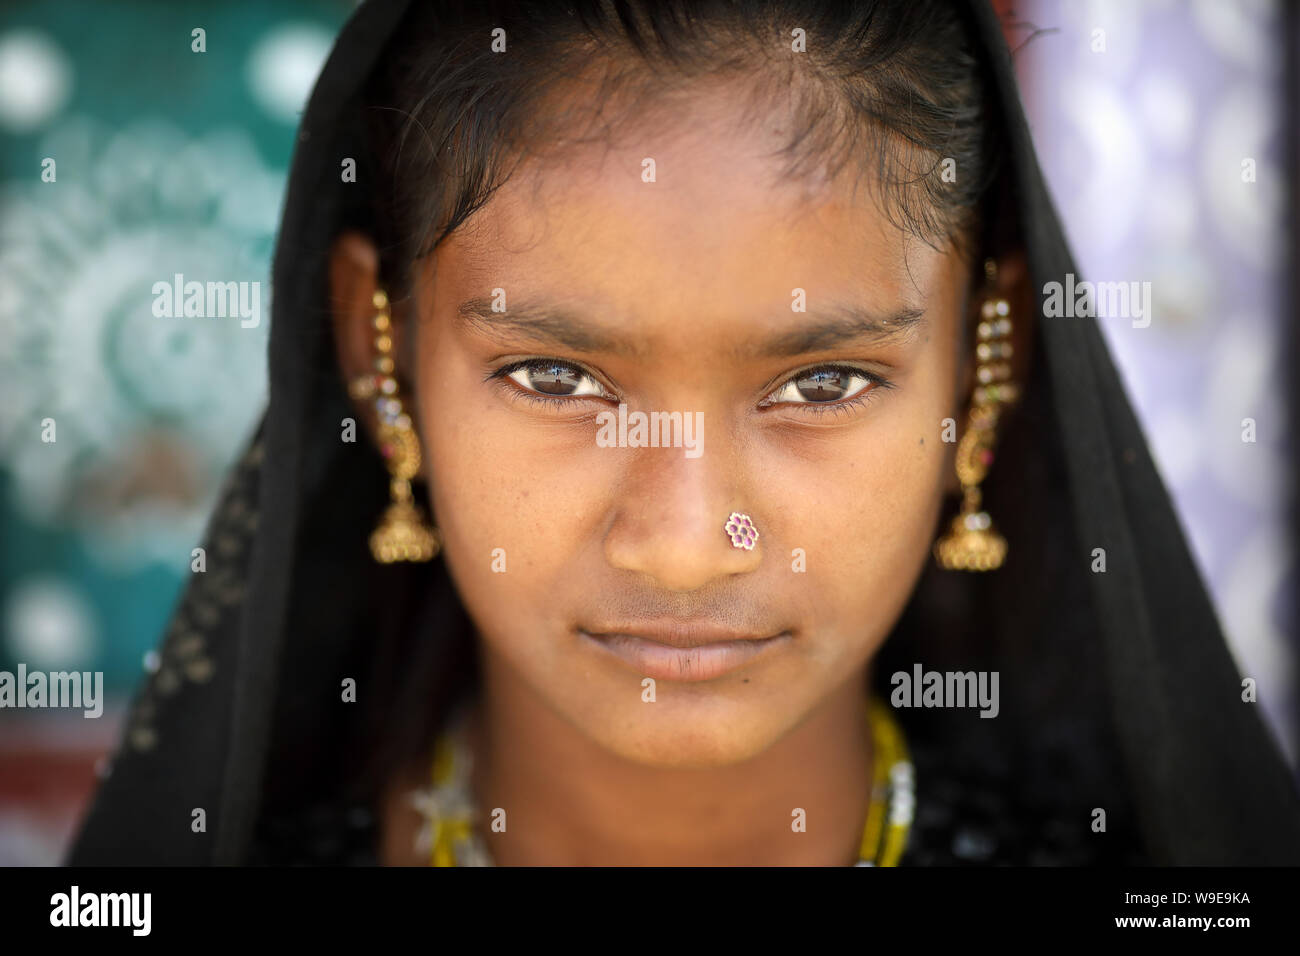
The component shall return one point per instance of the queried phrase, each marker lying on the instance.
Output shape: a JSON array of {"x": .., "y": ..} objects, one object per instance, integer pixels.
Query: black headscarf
[{"x": 1119, "y": 692}]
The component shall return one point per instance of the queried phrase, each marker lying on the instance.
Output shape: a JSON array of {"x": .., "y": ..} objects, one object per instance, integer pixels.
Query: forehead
[{"x": 689, "y": 218}]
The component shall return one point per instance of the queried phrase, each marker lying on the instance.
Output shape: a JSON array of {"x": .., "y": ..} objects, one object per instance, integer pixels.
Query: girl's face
[{"x": 816, "y": 345}]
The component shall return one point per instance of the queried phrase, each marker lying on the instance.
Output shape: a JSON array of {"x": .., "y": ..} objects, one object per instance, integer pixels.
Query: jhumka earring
[
  {"x": 402, "y": 534},
  {"x": 971, "y": 543}
]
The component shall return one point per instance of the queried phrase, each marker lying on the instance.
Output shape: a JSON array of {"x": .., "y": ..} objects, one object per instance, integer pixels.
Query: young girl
[{"x": 668, "y": 461}]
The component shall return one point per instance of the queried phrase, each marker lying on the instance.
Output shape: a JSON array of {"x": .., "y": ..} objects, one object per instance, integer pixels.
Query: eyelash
[
  {"x": 518, "y": 393},
  {"x": 861, "y": 397}
]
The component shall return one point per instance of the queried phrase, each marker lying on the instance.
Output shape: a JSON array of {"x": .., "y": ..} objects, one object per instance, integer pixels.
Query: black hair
[{"x": 892, "y": 87}]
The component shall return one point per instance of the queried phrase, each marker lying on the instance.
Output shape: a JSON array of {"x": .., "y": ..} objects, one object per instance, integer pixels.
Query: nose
[{"x": 669, "y": 523}]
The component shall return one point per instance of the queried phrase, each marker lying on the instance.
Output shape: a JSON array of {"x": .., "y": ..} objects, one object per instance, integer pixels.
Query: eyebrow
[{"x": 564, "y": 328}]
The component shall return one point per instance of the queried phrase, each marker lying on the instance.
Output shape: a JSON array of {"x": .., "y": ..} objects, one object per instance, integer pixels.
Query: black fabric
[{"x": 1119, "y": 692}]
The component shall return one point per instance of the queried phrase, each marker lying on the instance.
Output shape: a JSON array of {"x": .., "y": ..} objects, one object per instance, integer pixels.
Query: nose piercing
[{"x": 742, "y": 531}]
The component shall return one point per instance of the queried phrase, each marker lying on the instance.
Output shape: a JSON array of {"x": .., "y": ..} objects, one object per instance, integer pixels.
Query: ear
[
  {"x": 354, "y": 271},
  {"x": 1011, "y": 283},
  {"x": 354, "y": 278}
]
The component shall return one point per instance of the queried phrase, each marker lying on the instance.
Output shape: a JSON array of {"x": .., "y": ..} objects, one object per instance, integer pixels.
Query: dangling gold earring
[
  {"x": 402, "y": 534},
  {"x": 972, "y": 544}
]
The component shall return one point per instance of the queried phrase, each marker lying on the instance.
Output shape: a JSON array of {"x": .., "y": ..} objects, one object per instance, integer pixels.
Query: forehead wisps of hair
[{"x": 892, "y": 87}]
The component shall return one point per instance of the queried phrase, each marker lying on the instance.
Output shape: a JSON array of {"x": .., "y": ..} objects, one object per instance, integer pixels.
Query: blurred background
[{"x": 168, "y": 160}]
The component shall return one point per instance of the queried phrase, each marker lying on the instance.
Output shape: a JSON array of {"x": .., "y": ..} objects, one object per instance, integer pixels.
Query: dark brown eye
[
  {"x": 554, "y": 379},
  {"x": 824, "y": 385},
  {"x": 549, "y": 377}
]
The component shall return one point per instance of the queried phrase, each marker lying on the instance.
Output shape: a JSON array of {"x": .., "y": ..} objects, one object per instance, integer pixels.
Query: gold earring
[
  {"x": 402, "y": 533},
  {"x": 972, "y": 543}
]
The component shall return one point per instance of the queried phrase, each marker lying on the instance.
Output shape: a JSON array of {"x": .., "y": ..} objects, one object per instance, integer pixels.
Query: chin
[{"x": 685, "y": 732}]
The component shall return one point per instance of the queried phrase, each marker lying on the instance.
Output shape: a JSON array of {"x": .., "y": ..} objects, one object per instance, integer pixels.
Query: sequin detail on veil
[{"x": 210, "y": 597}]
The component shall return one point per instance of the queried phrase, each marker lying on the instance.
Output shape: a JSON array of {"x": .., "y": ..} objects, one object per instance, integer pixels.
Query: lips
[{"x": 685, "y": 651}]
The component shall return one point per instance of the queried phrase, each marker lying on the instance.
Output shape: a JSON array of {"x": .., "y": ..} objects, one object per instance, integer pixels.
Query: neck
[{"x": 571, "y": 802}]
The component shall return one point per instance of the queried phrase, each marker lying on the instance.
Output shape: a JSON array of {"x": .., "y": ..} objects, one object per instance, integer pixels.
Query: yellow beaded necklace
[{"x": 451, "y": 839}]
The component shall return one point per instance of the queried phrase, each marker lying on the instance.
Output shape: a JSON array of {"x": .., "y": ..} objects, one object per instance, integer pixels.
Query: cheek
[
  {"x": 512, "y": 502},
  {"x": 864, "y": 506}
]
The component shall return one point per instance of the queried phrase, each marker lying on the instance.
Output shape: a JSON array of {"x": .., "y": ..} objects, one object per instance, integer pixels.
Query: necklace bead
[{"x": 450, "y": 834}]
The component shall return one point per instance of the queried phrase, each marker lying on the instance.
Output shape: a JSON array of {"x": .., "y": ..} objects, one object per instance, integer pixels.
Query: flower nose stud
[{"x": 742, "y": 531}]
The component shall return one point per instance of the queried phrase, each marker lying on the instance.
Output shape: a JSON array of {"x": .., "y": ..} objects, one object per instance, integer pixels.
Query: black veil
[{"x": 1119, "y": 691}]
